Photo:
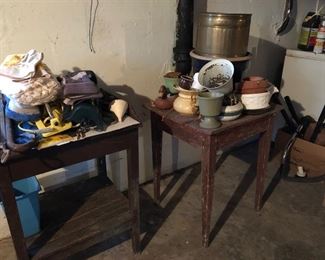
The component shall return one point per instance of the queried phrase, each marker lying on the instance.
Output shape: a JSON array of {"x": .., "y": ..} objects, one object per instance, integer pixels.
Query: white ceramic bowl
[
  {"x": 214, "y": 69},
  {"x": 255, "y": 101},
  {"x": 259, "y": 100}
]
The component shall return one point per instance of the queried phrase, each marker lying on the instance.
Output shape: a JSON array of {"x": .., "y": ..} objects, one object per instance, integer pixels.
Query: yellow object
[
  {"x": 53, "y": 124},
  {"x": 54, "y": 140},
  {"x": 12, "y": 60}
]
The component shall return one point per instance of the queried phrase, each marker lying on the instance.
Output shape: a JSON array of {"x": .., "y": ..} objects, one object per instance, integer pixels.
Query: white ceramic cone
[
  {"x": 196, "y": 84},
  {"x": 119, "y": 107}
]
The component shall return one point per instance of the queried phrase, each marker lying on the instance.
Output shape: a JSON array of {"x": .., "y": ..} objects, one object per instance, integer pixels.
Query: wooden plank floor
[{"x": 78, "y": 216}]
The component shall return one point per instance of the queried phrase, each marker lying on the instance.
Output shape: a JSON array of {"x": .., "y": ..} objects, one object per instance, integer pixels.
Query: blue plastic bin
[{"x": 26, "y": 191}]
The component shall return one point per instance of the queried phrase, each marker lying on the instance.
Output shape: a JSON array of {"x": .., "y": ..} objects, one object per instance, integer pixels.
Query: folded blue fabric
[
  {"x": 20, "y": 113},
  {"x": 22, "y": 137}
]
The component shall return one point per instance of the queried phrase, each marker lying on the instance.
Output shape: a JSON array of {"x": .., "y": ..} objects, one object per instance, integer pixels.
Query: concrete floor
[{"x": 291, "y": 224}]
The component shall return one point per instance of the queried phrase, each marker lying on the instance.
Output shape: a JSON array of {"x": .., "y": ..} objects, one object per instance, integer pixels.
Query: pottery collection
[{"x": 204, "y": 93}]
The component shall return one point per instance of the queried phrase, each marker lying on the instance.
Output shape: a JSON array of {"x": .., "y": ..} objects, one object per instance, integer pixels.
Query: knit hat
[{"x": 20, "y": 112}]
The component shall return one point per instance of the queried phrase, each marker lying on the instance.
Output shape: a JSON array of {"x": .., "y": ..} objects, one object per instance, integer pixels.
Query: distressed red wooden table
[
  {"x": 83, "y": 214},
  {"x": 210, "y": 141}
]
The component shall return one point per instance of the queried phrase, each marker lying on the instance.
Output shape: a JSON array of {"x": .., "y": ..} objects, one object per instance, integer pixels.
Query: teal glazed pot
[
  {"x": 171, "y": 80},
  {"x": 210, "y": 107}
]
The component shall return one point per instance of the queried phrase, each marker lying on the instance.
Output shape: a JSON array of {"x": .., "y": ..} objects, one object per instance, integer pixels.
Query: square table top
[{"x": 192, "y": 122}]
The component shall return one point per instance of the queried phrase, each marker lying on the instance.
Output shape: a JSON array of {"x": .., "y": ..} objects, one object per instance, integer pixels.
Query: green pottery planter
[
  {"x": 171, "y": 80},
  {"x": 210, "y": 107}
]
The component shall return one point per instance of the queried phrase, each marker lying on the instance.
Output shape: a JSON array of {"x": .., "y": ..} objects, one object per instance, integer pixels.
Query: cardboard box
[{"x": 310, "y": 156}]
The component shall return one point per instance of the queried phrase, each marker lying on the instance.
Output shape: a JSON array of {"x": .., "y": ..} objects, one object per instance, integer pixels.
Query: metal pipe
[{"x": 184, "y": 36}]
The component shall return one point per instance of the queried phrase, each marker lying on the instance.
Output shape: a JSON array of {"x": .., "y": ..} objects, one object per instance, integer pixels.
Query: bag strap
[{"x": 3, "y": 142}]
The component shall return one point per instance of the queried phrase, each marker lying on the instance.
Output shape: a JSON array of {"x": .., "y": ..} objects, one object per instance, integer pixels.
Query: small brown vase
[{"x": 161, "y": 103}]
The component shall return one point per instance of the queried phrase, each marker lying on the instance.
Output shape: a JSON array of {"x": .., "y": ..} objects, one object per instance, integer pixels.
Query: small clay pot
[
  {"x": 163, "y": 104},
  {"x": 252, "y": 85},
  {"x": 185, "y": 82}
]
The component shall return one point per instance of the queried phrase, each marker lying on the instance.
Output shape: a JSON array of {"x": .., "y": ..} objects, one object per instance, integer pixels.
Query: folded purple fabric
[
  {"x": 72, "y": 99},
  {"x": 79, "y": 88},
  {"x": 78, "y": 84}
]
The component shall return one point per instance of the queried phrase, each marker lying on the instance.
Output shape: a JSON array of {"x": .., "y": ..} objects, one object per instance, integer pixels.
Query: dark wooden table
[
  {"x": 187, "y": 128},
  {"x": 103, "y": 213}
]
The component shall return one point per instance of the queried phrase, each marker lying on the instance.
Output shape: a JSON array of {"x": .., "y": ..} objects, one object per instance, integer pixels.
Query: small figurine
[
  {"x": 162, "y": 101},
  {"x": 162, "y": 92}
]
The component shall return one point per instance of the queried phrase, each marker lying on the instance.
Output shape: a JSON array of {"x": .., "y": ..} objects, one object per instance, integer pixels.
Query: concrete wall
[{"x": 133, "y": 40}]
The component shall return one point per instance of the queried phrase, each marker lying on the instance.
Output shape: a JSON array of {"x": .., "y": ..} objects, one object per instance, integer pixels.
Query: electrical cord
[
  {"x": 34, "y": 131},
  {"x": 91, "y": 24}
]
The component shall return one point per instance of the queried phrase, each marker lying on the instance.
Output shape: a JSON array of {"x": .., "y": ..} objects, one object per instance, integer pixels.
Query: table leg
[
  {"x": 262, "y": 160},
  {"x": 156, "y": 137},
  {"x": 101, "y": 167},
  {"x": 133, "y": 192},
  {"x": 11, "y": 211},
  {"x": 208, "y": 167}
]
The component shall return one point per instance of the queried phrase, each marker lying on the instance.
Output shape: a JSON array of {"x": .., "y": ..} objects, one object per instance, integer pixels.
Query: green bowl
[{"x": 171, "y": 80}]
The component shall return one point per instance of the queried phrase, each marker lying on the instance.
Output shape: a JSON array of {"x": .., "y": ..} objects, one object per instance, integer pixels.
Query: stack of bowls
[{"x": 255, "y": 93}]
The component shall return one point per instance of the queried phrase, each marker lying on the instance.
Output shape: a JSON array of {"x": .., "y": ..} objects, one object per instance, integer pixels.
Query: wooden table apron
[
  {"x": 36, "y": 162},
  {"x": 210, "y": 141}
]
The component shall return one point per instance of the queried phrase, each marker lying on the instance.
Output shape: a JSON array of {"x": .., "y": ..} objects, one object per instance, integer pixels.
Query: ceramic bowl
[
  {"x": 216, "y": 76},
  {"x": 259, "y": 100},
  {"x": 171, "y": 80},
  {"x": 185, "y": 82},
  {"x": 255, "y": 101},
  {"x": 229, "y": 113}
]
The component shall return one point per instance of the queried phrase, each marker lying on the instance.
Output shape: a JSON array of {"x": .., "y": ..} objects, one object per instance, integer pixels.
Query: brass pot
[{"x": 222, "y": 34}]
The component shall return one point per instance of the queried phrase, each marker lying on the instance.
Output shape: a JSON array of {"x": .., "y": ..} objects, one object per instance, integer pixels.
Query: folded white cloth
[{"x": 21, "y": 66}]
